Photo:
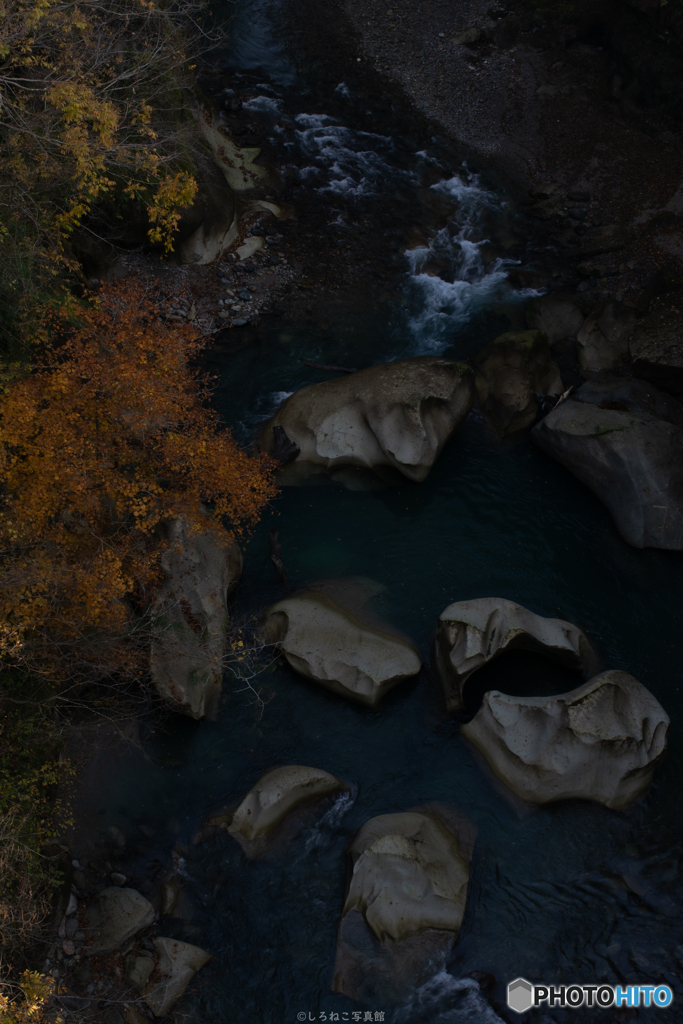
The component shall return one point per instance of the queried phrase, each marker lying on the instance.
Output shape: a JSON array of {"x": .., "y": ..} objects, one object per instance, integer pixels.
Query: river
[{"x": 570, "y": 892}]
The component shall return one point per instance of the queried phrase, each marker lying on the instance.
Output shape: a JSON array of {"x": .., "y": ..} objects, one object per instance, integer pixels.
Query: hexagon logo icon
[{"x": 520, "y": 995}]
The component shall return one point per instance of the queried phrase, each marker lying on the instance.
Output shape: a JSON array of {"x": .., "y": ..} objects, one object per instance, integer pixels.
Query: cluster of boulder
[
  {"x": 600, "y": 741},
  {"x": 158, "y": 970},
  {"x": 620, "y": 435},
  {"x": 407, "y": 889},
  {"x": 409, "y": 871}
]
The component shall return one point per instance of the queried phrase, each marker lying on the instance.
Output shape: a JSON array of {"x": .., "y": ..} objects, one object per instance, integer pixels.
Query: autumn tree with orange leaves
[{"x": 106, "y": 439}]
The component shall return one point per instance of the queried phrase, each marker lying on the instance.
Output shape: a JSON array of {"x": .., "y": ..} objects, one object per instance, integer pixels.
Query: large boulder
[
  {"x": 404, "y": 906},
  {"x": 112, "y": 917},
  {"x": 472, "y": 633},
  {"x": 511, "y": 372},
  {"x": 603, "y": 338},
  {"x": 328, "y": 643},
  {"x": 657, "y": 345},
  {"x": 557, "y": 315},
  {"x": 624, "y": 440},
  {"x": 599, "y": 742},
  {"x": 190, "y": 618},
  {"x": 391, "y": 417},
  {"x": 177, "y": 964},
  {"x": 278, "y": 792}
]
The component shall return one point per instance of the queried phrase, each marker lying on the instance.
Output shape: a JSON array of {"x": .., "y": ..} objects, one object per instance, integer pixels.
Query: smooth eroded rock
[
  {"x": 391, "y": 417},
  {"x": 471, "y": 633},
  {"x": 138, "y": 970},
  {"x": 599, "y": 742},
  {"x": 177, "y": 964},
  {"x": 330, "y": 645},
  {"x": 624, "y": 440},
  {"x": 190, "y": 618},
  {"x": 404, "y": 906},
  {"x": 510, "y": 372},
  {"x": 112, "y": 917},
  {"x": 557, "y": 315},
  {"x": 276, "y": 794},
  {"x": 602, "y": 342},
  {"x": 656, "y": 345}
]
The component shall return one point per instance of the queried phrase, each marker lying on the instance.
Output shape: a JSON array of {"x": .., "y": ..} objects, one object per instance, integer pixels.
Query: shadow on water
[{"x": 520, "y": 674}]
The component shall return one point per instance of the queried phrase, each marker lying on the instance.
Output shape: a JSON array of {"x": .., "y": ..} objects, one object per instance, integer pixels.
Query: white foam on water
[
  {"x": 347, "y": 162},
  {"x": 330, "y": 821},
  {"x": 342, "y": 90},
  {"x": 264, "y": 407},
  {"x": 263, "y": 105},
  {"x": 277, "y": 398},
  {"x": 447, "y": 1000},
  {"x": 469, "y": 283}
]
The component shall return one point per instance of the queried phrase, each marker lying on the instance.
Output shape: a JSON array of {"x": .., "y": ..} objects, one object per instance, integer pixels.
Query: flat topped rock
[
  {"x": 405, "y": 903},
  {"x": 600, "y": 741},
  {"x": 627, "y": 448},
  {"x": 329, "y": 644},
  {"x": 394, "y": 416},
  {"x": 408, "y": 874},
  {"x": 113, "y": 916},
  {"x": 471, "y": 633},
  {"x": 177, "y": 964},
  {"x": 276, "y": 794}
]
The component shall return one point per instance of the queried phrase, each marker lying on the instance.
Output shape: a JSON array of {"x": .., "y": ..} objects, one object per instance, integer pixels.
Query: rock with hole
[{"x": 472, "y": 633}]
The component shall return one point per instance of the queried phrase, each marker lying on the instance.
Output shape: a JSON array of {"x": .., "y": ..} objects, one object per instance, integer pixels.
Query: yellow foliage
[
  {"x": 108, "y": 438},
  {"x": 36, "y": 990},
  {"x": 86, "y": 114}
]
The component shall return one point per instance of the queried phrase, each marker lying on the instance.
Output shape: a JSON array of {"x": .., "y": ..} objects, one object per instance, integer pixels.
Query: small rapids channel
[{"x": 570, "y": 893}]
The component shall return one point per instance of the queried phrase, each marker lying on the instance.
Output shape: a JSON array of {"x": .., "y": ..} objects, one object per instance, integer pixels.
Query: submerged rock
[
  {"x": 404, "y": 906},
  {"x": 276, "y": 794},
  {"x": 178, "y": 962},
  {"x": 190, "y": 618},
  {"x": 599, "y": 742},
  {"x": 557, "y": 315},
  {"x": 113, "y": 916},
  {"x": 391, "y": 417},
  {"x": 329, "y": 644},
  {"x": 657, "y": 345},
  {"x": 472, "y": 633},
  {"x": 603, "y": 338},
  {"x": 510, "y": 373},
  {"x": 624, "y": 440}
]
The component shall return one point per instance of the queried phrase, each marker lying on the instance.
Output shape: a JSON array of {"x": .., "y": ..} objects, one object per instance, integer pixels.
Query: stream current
[{"x": 570, "y": 892}]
